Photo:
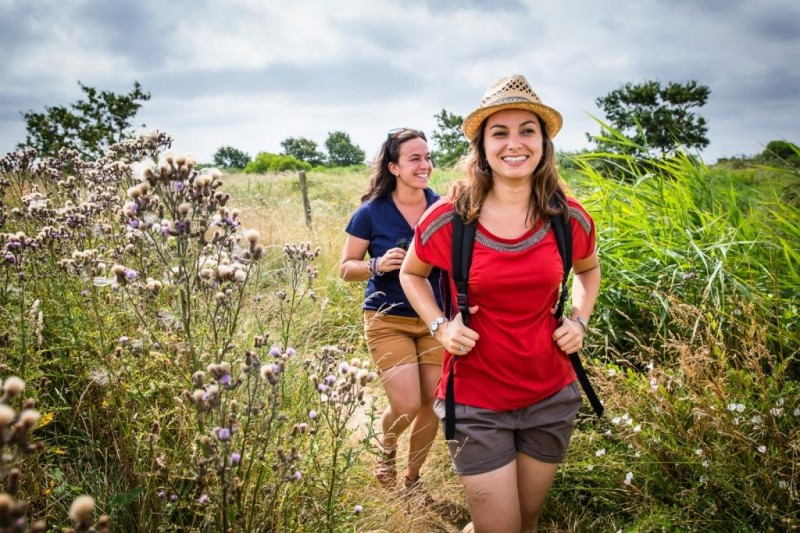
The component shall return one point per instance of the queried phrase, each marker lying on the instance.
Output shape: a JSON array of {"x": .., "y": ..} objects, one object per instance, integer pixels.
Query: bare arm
[
  {"x": 352, "y": 266},
  {"x": 585, "y": 288},
  {"x": 414, "y": 279}
]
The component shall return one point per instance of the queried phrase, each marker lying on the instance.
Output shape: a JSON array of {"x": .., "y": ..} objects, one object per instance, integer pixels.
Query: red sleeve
[
  {"x": 433, "y": 235},
  {"x": 583, "y": 231}
]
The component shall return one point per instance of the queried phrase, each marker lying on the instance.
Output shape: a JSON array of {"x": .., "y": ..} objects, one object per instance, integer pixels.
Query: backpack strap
[
  {"x": 463, "y": 242},
  {"x": 564, "y": 242}
]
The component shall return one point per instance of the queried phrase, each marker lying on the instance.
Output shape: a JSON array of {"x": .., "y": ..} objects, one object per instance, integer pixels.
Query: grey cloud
[{"x": 475, "y": 5}]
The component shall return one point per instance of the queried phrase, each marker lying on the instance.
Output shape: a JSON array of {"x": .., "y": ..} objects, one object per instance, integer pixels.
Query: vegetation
[
  {"x": 451, "y": 144},
  {"x": 654, "y": 118},
  {"x": 341, "y": 150},
  {"x": 231, "y": 158},
  {"x": 194, "y": 375},
  {"x": 303, "y": 149},
  {"x": 266, "y": 162},
  {"x": 89, "y": 126}
]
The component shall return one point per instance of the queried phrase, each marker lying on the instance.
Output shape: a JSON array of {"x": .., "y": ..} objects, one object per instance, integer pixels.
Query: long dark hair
[
  {"x": 548, "y": 197},
  {"x": 381, "y": 180}
]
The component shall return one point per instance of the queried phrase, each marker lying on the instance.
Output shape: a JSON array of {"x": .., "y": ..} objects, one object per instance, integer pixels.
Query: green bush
[{"x": 266, "y": 162}]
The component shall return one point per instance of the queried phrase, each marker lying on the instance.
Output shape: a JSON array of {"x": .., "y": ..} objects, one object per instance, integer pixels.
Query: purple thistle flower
[
  {"x": 330, "y": 379},
  {"x": 202, "y": 500},
  {"x": 161, "y": 494},
  {"x": 297, "y": 475},
  {"x": 84, "y": 293},
  {"x": 358, "y": 509},
  {"x": 179, "y": 186},
  {"x": 225, "y": 379},
  {"x": 235, "y": 458},
  {"x": 173, "y": 497},
  {"x": 123, "y": 340},
  {"x": 134, "y": 223},
  {"x": 312, "y": 415},
  {"x": 223, "y": 434},
  {"x": 290, "y": 352},
  {"x": 343, "y": 368},
  {"x": 322, "y": 387},
  {"x": 274, "y": 351},
  {"x": 131, "y": 274}
]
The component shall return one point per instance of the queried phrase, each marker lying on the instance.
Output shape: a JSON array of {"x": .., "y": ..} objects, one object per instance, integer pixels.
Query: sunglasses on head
[{"x": 394, "y": 133}]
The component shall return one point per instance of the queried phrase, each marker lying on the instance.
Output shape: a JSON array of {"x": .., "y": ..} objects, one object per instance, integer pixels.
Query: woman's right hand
[{"x": 457, "y": 338}]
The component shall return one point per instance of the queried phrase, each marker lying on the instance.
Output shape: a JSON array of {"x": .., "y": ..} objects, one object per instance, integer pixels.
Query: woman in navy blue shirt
[{"x": 400, "y": 344}]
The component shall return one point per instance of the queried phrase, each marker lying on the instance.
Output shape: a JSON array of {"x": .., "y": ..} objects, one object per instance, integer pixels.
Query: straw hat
[{"x": 511, "y": 92}]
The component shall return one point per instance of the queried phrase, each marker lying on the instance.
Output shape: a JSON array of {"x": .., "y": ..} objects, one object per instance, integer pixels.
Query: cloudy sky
[{"x": 250, "y": 73}]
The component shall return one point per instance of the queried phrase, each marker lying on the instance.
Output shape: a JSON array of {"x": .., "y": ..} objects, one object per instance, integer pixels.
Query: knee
[{"x": 407, "y": 408}]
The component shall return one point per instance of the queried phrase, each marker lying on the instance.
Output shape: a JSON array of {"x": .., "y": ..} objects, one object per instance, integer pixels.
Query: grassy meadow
[{"x": 177, "y": 346}]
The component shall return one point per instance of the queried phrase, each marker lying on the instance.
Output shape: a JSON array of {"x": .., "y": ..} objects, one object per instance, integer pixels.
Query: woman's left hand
[{"x": 569, "y": 336}]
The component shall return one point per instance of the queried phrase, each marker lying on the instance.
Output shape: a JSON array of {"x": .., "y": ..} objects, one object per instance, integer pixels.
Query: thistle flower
[
  {"x": 12, "y": 387},
  {"x": 7, "y": 415},
  {"x": 223, "y": 434},
  {"x": 81, "y": 509},
  {"x": 235, "y": 458},
  {"x": 358, "y": 509}
]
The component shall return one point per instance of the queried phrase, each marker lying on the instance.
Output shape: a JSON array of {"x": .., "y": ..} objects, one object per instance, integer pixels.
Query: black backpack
[{"x": 463, "y": 242}]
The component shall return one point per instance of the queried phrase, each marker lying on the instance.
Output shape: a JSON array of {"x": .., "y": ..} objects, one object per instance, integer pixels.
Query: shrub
[{"x": 267, "y": 162}]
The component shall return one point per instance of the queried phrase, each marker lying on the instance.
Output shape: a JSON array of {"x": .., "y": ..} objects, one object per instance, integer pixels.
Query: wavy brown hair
[
  {"x": 381, "y": 180},
  {"x": 548, "y": 197}
]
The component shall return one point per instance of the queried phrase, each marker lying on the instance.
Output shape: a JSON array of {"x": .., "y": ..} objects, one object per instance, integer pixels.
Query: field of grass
[{"x": 192, "y": 361}]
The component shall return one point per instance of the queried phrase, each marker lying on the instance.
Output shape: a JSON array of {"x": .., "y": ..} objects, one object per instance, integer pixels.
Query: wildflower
[
  {"x": 130, "y": 274},
  {"x": 297, "y": 475},
  {"x": 782, "y": 484},
  {"x": 312, "y": 415},
  {"x": 358, "y": 509},
  {"x": 650, "y": 365},
  {"x": 12, "y": 387},
  {"x": 274, "y": 351},
  {"x": 173, "y": 497},
  {"x": 612, "y": 372},
  {"x": 616, "y": 420},
  {"x": 779, "y": 402},
  {"x": 705, "y": 463},
  {"x": 637, "y": 428},
  {"x": 589, "y": 468},
  {"x": 235, "y": 458},
  {"x": 735, "y": 407},
  {"x": 6, "y": 415},
  {"x": 756, "y": 419},
  {"x": 29, "y": 417},
  {"x": 796, "y": 412},
  {"x": 290, "y": 352},
  {"x": 601, "y": 452},
  {"x": 776, "y": 411},
  {"x": 698, "y": 452},
  {"x": 762, "y": 449},
  {"x": 161, "y": 494},
  {"x": 223, "y": 434},
  {"x": 202, "y": 500},
  {"x": 653, "y": 383},
  {"x": 81, "y": 509},
  {"x": 628, "y": 478}
]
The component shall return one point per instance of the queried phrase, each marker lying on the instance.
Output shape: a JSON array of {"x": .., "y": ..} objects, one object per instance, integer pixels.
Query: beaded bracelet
[{"x": 374, "y": 269}]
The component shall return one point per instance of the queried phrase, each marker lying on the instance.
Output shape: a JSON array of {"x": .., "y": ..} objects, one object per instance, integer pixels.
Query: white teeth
[{"x": 514, "y": 159}]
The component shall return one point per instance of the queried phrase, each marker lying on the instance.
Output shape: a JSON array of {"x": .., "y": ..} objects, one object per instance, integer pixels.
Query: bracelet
[
  {"x": 369, "y": 268},
  {"x": 374, "y": 269}
]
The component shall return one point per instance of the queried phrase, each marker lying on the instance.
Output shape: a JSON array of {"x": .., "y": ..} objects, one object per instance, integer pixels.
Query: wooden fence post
[{"x": 306, "y": 203}]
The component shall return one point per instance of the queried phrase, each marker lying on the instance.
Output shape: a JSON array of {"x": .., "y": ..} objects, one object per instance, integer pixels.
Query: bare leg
[
  {"x": 493, "y": 500},
  {"x": 426, "y": 423},
  {"x": 401, "y": 384},
  {"x": 534, "y": 479}
]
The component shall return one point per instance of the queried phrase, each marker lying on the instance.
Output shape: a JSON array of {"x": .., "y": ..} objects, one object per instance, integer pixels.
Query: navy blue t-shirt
[{"x": 380, "y": 222}]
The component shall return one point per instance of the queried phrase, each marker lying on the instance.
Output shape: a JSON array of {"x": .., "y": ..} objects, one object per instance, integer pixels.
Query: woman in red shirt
[{"x": 515, "y": 391}]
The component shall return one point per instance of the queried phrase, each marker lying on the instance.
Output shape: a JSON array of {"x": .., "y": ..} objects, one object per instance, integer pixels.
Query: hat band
[{"x": 514, "y": 99}]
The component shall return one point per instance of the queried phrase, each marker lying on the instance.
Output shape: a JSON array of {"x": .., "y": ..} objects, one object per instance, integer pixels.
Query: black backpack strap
[
  {"x": 463, "y": 242},
  {"x": 564, "y": 242}
]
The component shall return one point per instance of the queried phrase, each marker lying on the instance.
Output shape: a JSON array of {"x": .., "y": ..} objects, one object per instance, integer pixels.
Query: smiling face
[
  {"x": 514, "y": 143},
  {"x": 414, "y": 165}
]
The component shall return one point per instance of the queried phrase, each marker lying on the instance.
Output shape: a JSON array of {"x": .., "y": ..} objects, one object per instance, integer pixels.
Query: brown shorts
[
  {"x": 400, "y": 340},
  {"x": 485, "y": 440}
]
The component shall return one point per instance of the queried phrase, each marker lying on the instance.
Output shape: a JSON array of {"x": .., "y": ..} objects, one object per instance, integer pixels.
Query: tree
[
  {"x": 303, "y": 149},
  {"x": 781, "y": 152},
  {"x": 341, "y": 151},
  {"x": 654, "y": 118},
  {"x": 451, "y": 144},
  {"x": 230, "y": 157},
  {"x": 89, "y": 126}
]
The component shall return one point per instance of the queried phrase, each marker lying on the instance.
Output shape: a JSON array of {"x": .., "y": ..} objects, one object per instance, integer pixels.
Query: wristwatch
[
  {"x": 583, "y": 322},
  {"x": 434, "y": 326}
]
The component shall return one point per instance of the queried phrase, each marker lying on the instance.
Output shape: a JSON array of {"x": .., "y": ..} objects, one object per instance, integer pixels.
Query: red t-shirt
[{"x": 515, "y": 282}]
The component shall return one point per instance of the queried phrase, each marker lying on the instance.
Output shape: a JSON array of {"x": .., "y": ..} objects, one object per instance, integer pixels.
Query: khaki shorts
[
  {"x": 485, "y": 440},
  {"x": 400, "y": 340}
]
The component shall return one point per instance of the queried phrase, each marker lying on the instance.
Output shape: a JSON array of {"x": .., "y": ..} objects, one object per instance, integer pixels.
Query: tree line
[{"x": 649, "y": 120}]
